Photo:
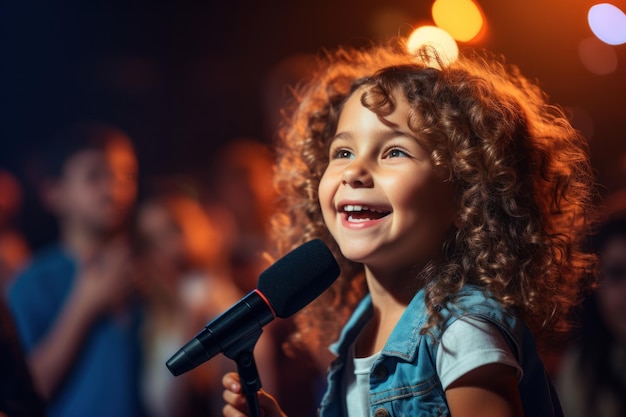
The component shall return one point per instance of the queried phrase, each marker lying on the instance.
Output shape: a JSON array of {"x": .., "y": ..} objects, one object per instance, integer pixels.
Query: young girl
[{"x": 452, "y": 195}]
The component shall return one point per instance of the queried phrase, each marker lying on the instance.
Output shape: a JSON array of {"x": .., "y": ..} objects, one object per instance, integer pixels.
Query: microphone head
[{"x": 299, "y": 277}]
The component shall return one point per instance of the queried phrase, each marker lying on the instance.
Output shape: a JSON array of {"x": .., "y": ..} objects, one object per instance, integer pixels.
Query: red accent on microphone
[{"x": 256, "y": 290}]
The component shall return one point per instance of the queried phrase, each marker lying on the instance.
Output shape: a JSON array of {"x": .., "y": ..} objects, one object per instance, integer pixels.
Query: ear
[{"x": 51, "y": 194}]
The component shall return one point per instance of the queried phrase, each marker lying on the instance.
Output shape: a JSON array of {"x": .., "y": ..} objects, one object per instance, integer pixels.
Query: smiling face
[{"x": 382, "y": 199}]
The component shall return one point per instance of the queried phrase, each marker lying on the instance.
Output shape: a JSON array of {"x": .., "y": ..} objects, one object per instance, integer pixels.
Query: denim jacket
[{"x": 404, "y": 381}]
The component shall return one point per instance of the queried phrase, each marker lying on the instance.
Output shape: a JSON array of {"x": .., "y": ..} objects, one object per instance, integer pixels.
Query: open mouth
[{"x": 360, "y": 213}]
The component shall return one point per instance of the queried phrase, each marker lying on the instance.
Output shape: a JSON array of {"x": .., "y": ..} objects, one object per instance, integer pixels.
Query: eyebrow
[{"x": 387, "y": 134}]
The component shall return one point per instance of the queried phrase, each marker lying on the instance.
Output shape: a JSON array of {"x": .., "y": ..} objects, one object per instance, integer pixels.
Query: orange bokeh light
[{"x": 462, "y": 19}]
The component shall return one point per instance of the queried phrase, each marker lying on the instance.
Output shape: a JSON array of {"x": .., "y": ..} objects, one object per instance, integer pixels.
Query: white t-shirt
[
  {"x": 467, "y": 344},
  {"x": 357, "y": 383}
]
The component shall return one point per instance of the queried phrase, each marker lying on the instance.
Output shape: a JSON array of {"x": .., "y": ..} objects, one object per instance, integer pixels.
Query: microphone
[{"x": 285, "y": 287}]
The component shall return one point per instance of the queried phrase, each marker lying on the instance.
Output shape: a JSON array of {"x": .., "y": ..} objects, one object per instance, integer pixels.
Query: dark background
[{"x": 184, "y": 77}]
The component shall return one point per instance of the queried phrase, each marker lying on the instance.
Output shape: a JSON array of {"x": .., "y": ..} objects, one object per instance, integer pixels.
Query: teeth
[
  {"x": 355, "y": 207},
  {"x": 358, "y": 207},
  {"x": 353, "y": 220},
  {"x": 358, "y": 213}
]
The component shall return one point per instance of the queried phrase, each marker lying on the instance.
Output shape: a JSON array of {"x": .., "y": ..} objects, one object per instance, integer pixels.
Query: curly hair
[{"x": 522, "y": 172}]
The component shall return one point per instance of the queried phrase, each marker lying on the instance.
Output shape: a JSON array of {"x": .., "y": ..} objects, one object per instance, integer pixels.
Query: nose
[{"x": 357, "y": 175}]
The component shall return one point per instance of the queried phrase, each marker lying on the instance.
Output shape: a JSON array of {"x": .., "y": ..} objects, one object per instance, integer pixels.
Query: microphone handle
[{"x": 224, "y": 334}]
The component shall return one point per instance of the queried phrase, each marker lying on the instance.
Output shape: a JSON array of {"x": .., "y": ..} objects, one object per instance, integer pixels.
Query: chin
[{"x": 355, "y": 255}]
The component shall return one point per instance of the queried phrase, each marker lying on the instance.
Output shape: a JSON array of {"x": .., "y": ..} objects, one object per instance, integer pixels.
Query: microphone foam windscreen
[{"x": 299, "y": 277}]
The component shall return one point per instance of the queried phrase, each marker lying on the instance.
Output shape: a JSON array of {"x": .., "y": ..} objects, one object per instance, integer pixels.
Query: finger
[
  {"x": 230, "y": 411},
  {"x": 230, "y": 381},
  {"x": 237, "y": 401}
]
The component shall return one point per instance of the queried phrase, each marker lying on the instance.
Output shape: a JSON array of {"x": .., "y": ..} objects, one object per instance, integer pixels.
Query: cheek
[
  {"x": 79, "y": 196},
  {"x": 326, "y": 194},
  {"x": 88, "y": 190}
]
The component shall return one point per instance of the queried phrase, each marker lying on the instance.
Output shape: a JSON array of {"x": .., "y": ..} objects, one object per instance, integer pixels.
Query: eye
[
  {"x": 342, "y": 154},
  {"x": 396, "y": 153}
]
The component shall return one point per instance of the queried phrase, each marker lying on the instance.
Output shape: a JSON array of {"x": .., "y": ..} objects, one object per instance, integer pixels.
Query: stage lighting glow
[
  {"x": 608, "y": 23},
  {"x": 438, "y": 39},
  {"x": 460, "y": 18},
  {"x": 599, "y": 58}
]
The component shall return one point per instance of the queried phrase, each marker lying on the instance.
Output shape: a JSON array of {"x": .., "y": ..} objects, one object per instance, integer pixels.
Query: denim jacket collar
[{"x": 403, "y": 338}]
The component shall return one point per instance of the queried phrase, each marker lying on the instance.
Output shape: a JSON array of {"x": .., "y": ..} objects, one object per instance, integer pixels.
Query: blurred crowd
[{"x": 137, "y": 266}]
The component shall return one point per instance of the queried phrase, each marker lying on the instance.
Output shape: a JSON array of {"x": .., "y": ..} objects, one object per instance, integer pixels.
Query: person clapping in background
[{"x": 73, "y": 306}]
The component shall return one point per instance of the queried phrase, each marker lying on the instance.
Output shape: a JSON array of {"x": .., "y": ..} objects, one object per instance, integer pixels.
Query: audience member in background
[
  {"x": 14, "y": 250},
  {"x": 241, "y": 182},
  {"x": 73, "y": 305},
  {"x": 17, "y": 393},
  {"x": 186, "y": 282},
  {"x": 592, "y": 378}
]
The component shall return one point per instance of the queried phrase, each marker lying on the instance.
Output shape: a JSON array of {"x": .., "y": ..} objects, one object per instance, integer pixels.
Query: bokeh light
[
  {"x": 608, "y": 23},
  {"x": 438, "y": 39},
  {"x": 598, "y": 57},
  {"x": 462, "y": 19}
]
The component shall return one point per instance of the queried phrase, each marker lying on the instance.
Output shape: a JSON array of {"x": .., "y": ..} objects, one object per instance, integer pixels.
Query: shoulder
[
  {"x": 51, "y": 258},
  {"x": 473, "y": 301},
  {"x": 471, "y": 298},
  {"x": 48, "y": 273},
  {"x": 474, "y": 305},
  {"x": 469, "y": 343}
]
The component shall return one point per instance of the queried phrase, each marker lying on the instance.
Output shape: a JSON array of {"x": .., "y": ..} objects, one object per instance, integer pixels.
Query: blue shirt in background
[{"x": 103, "y": 380}]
